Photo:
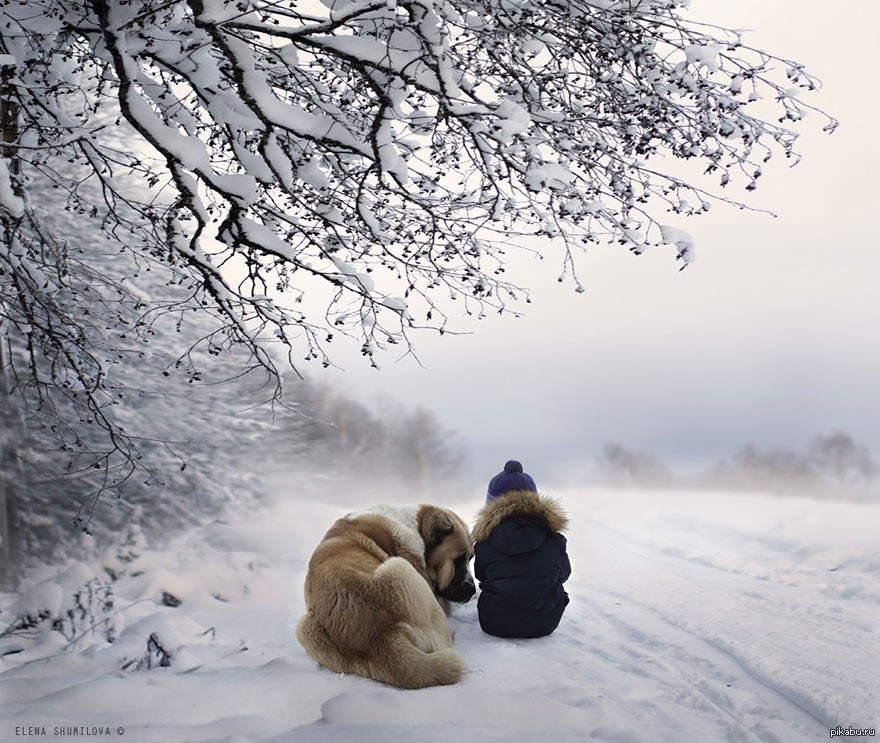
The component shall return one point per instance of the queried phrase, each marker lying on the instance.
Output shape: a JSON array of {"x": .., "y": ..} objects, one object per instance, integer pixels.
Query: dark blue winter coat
[{"x": 521, "y": 564}]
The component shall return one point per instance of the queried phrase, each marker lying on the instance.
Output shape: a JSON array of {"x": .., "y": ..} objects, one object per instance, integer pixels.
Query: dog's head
[{"x": 448, "y": 552}]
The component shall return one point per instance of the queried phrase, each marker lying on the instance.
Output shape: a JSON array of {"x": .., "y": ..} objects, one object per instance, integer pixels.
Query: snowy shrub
[
  {"x": 119, "y": 559},
  {"x": 158, "y": 642},
  {"x": 76, "y": 604},
  {"x": 128, "y": 607},
  {"x": 155, "y": 657}
]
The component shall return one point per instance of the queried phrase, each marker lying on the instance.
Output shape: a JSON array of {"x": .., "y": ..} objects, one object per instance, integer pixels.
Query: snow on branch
[{"x": 381, "y": 156}]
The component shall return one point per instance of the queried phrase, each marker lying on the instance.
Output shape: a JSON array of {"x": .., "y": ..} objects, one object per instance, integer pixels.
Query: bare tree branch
[{"x": 383, "y": 156}]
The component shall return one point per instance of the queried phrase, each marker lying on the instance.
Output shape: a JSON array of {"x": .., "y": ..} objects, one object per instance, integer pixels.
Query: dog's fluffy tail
[
  {"x": 395, "y": 659},
  {"x": 404, "y": 664}
]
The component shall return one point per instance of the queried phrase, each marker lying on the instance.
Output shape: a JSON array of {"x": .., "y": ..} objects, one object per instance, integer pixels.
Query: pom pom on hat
[{"x": 510, "y": 479}]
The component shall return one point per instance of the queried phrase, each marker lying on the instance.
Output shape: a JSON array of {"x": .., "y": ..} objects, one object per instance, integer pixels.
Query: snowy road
[
  {"x": 695, "y": 617},
  {"x": 716, "y": 618}
]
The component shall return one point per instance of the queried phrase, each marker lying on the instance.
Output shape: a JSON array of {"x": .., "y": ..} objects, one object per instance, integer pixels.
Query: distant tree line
[
  {"x": 327, "y": 441},
  {"x": 832, "y": 463}
]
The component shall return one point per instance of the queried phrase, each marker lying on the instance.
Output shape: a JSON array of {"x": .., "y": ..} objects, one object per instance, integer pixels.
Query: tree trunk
[
  {"x": 10, "y": 537},
  {"x": 10, "y": 492},
  {"x": 10, "y": 470}
]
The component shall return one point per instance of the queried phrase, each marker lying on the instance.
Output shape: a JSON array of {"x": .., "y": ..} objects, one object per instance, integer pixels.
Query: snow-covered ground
[{"x": 694, "y": 617}]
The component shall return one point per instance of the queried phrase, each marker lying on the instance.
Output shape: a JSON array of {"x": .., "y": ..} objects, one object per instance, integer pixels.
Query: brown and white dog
[{"x": 377, "y": 593}]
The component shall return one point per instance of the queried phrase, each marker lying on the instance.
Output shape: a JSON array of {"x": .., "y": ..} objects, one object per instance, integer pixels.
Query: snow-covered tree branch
[{"x": 377, "y": 159}]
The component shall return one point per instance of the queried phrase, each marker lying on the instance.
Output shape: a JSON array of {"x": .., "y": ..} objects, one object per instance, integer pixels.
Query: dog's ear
[{"x": 434, "y": 526}]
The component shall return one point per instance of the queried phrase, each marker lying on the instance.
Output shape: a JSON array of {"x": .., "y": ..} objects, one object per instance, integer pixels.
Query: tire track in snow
[
  {"x": 725, "y": 682},
  {"x": 626, "y": 574}
]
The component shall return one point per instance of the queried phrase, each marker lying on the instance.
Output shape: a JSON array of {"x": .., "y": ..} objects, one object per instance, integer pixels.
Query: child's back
[{"x": 521, "y": 560}]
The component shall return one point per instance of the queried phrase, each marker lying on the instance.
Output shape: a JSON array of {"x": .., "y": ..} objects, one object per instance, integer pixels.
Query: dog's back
[{"x": 370, "y": 612}]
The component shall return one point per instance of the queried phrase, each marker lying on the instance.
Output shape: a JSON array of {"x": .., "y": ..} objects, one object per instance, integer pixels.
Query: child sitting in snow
[{"x": 520, "y": 558}]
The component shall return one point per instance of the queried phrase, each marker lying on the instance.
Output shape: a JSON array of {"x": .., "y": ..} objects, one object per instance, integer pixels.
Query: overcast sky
[{"x": 769, "y": 337}]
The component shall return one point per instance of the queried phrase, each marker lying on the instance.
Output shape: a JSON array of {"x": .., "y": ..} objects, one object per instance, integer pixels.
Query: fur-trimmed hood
[{"x": 519, "y": 503}]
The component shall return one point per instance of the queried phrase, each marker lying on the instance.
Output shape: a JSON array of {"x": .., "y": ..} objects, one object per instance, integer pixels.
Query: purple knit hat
[{"x": 512, "y": 478}]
